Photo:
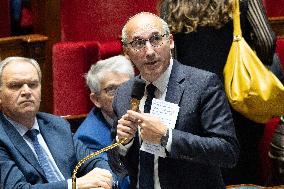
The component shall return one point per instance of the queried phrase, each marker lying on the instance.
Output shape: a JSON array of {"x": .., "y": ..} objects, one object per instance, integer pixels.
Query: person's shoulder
[
  {"x": 193, "y": 71},
  {"x": 90, "y": 123},
  {"x": 196, "y": 76},
  {"x": 47, "y": 117}
]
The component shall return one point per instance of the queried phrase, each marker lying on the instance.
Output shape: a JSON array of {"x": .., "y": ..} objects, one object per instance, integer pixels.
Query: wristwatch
[{"x": 164, "y": 139}]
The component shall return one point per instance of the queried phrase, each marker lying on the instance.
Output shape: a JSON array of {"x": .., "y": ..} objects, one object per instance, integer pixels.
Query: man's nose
[
  {"x": 26, "y": 89},
  {"x": 149, "y": 48}
]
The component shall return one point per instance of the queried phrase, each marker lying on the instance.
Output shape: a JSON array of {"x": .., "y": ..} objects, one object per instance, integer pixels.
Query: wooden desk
[
  {"x": 252, "y": 186},
  {"x": 75, "y": 121}
]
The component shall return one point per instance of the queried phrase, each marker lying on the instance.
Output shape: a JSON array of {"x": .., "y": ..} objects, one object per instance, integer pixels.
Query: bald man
[{"x": 200, "y": 142}]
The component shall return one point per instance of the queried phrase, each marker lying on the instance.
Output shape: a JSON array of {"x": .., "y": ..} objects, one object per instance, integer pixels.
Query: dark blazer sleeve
[{"x": 206, "y": 132}]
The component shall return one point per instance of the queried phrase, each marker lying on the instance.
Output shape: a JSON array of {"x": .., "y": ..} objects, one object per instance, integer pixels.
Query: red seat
[
  {"x": 274, "y": 8},
  {"x": 89, "y": 31}
]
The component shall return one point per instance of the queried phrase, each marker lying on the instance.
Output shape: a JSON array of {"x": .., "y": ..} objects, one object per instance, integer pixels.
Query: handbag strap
[{"x": 236, "y": 20}]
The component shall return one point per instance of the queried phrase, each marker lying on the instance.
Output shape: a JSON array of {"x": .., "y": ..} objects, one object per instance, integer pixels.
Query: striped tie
[{"x": 42, "y": 157}]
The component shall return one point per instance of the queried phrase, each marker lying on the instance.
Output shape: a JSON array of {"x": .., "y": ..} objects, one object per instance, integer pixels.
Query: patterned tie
[
  {"x": 42, "y": 157},
  {"x": 146, "y": 176}
]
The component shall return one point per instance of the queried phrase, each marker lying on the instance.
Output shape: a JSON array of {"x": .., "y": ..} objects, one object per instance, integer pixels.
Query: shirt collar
[
  {"x": 162, "y": 82},
  {"x": 20, "y": 128}
]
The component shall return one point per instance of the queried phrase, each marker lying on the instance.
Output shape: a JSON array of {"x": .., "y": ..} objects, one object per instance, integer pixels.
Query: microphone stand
[{"x": 82, "y": 161}]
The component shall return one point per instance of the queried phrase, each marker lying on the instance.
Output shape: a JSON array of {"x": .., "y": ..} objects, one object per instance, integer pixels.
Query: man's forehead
[
  {"x": 143, "y": 24},
  {"x": 17, "y": 64},
  {"x": 18, "y": 69}
]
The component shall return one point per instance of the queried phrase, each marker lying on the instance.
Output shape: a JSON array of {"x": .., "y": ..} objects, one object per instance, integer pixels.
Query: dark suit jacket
[
  {"x": 204, "y": 136},
  {"x": 20, "y": 168}
]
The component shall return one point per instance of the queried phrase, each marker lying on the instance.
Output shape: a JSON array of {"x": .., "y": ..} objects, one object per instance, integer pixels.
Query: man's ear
[
  {"x": 172, "y": 43},
  {"x": 125, "y": 53},
  {"x": 95, "y": 99}
]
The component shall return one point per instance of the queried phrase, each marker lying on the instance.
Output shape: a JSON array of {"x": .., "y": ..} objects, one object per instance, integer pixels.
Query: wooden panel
[
  {"x": 75, "y": 121},
  {"x": 26, "y": 45},
  {"x": 277, "y": 24},
  {"x": 47, "y": 22}
]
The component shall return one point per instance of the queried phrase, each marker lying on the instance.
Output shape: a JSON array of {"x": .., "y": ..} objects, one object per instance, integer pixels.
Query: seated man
[
  {"x": 103, "y": 79},
  {"x": 37, "y": 149}
]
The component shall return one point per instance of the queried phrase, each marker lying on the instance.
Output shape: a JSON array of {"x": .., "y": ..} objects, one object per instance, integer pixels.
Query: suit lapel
[
  {"x": 21, "y": 145},
  {"x": 54, "y": 143},
  {"x": 176, "y": 85}
]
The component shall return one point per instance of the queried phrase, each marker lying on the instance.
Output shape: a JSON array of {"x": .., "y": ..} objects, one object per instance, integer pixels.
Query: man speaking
[{"x": 184, "y": 145}]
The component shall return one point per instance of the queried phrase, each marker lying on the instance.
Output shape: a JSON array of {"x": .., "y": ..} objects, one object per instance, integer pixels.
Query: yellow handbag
[{"x": 251, "y": 88}]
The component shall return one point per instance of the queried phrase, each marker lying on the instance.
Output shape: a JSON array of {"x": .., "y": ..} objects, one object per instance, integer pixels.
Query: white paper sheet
[{"x": 168, "y": 113}]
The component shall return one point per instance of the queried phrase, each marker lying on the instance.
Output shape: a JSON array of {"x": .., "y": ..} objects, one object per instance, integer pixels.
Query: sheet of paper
[{"x": 168, "y": 113}]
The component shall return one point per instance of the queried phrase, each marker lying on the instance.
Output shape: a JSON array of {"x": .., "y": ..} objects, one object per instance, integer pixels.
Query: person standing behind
[
  {"x": 103, "y": 79},
  {"x": 203, "y": 137},
  {"x": 37, "y": 149},
  {"x": 203, "y": 31},
  {"x": 203, "y": 34}
]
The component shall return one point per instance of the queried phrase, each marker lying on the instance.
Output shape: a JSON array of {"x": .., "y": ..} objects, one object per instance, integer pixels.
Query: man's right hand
[
  {"x": 126, "y": 128},
  {"x": 97, "y": 178}
]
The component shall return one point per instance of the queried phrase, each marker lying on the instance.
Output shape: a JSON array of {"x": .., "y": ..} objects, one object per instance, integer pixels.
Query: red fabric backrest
[
  {"x": 264, "y": 147},
  {"x": 5, "y": 24},
  {"x": 100, "y": 20},
  {"x": 274, "y": 8},
  {"x": 69, "y": 88}
]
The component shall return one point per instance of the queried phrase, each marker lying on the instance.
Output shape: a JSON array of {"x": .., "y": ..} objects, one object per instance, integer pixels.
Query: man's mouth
[
  {"x": 151, "y": 63},
  {"x": 27, "y": 101}
]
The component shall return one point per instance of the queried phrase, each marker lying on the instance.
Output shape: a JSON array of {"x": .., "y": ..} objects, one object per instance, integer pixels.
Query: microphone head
[{"x": 138, "y": 89}]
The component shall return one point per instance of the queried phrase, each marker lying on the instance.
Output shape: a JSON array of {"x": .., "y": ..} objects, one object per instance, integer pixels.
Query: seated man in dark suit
[
  {"x": 185, "y": 149},
  {"x": 37, "y": 149},
  {"x": 103, "y": 78}
]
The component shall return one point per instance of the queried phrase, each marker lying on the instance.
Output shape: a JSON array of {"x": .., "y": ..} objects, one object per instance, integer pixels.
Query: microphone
[{"x": 137, "y": 94}]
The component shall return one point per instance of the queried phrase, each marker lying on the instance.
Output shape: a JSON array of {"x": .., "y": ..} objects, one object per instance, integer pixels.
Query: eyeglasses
[
  {"x": 156, "y": 41},
  {"x": 110, "y": 90}
]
